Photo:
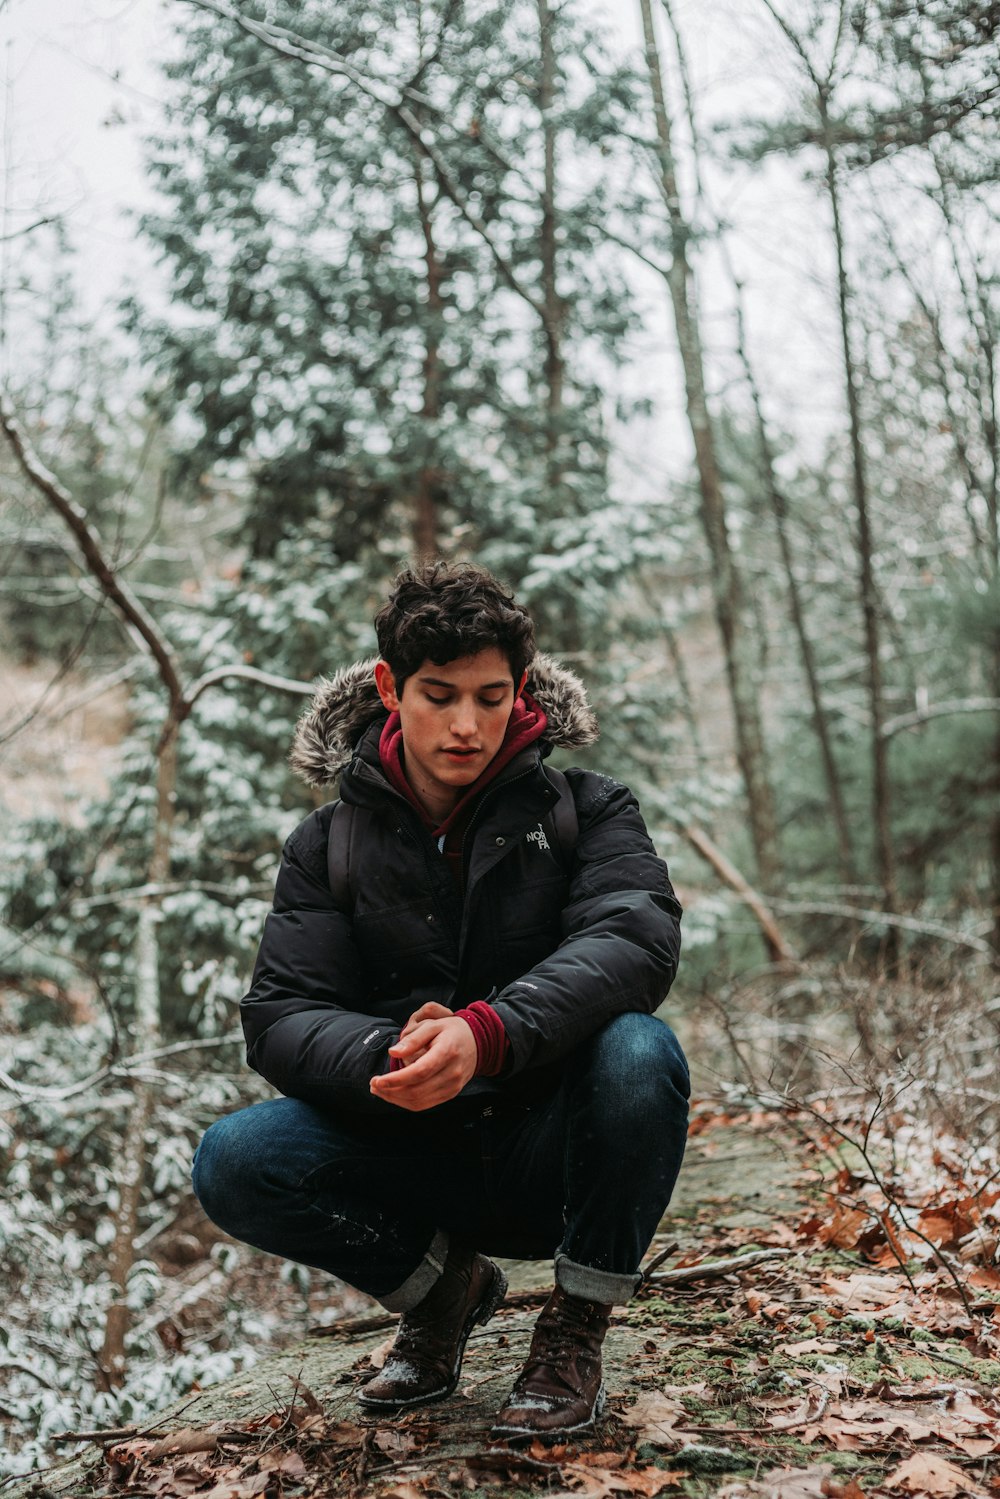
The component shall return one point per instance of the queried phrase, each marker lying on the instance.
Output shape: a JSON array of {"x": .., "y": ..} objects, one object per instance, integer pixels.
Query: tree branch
[
  {"x": 42, "y": 1093},
  {"x": 884, "y": 918},
  {"x": 730, "y": 875},
  {"x": 111, "y": 585},
  {"x": 248, "y": 674},
  {"x": 939, "y": 710},
  {"x": 28, "y": 229}
]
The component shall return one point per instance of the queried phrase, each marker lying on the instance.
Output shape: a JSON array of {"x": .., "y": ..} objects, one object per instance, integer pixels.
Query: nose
[{"x": 463, "y": 720}]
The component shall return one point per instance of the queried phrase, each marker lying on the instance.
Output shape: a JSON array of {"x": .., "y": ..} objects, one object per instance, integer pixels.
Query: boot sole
[
  {"x": 542, "y": 1434},
  {"x": 479, "y": 1315}
]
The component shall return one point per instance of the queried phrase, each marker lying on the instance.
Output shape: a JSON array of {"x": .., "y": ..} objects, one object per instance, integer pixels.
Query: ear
[
  {"x": 385, "y": 682},
  {"x": 524, "y": 678}
]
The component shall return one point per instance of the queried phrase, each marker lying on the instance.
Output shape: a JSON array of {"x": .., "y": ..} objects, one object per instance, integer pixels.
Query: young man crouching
[{"x": 454, "y": 993}]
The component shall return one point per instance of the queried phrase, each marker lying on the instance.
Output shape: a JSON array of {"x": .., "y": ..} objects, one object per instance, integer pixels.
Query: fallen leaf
[
  {"x": 782, "y": 1483},
  {"x": 974, "y": 1446},
  {"x": 923, "y": 1473},
  {"x": 848, "y": 1490},
  {"x": 603, "y": 1482},
  {"x": 654, "y": 1416},
  {"x": 336, "y": 1433},
  {"x": 236, "y": 1488},
  {"x": 543, "y": 1453},
  {"x": 378, "y": 1355},
  {"x": 806, "y": 1411},
  {"x": 144, "y": 1449},
  {"x": 986, "y": 1278},
  {"x": 844, "y": 1228},
  {"x": 961, "y": 1407},
  {"x": 600, "y": 1459},
  {"x": 288, "y": 1464},
  {"x": 947, "y": 1222},
  {"x": 869, "y": 1423},
  {"x": 863, "y": 1291},
  {"x": 654, "y": 1480}
]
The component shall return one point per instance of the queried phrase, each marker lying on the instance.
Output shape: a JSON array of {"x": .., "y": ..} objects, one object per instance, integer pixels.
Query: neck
[{"x": 438, "y": 805}]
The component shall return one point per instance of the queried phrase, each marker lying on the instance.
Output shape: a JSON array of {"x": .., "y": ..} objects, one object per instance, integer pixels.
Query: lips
[{"x": 461, "y": 754}]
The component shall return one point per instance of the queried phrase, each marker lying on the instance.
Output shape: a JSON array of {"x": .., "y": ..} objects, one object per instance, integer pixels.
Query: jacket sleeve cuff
[{"x": 492, "y": 1045}]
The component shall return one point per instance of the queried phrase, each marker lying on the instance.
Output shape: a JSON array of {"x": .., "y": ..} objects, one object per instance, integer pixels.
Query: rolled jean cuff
[
  {"x": 415, "y": 1286},
  {"x": 607, "y": 1286}
]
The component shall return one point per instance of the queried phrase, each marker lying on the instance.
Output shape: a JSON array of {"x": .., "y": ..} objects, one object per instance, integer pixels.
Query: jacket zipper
[{"x": 467, "y": 904}]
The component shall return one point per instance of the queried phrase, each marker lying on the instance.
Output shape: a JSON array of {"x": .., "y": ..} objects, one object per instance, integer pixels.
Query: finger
[
  {"x": 419, "y": 1071},
  {"x": 417, "y": 1042},
  {"x": 429, "y": 1011},
  {"x": 406, "y": 1060}
]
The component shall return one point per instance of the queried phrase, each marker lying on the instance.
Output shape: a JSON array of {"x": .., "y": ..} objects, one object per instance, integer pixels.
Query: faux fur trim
[{"x": 346, "y": 703}]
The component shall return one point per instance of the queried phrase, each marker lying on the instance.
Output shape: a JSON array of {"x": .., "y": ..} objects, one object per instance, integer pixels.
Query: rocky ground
[{"x": 833, "y": 1358}]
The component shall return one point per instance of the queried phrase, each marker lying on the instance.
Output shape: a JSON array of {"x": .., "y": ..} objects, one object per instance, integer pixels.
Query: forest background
[{"x": 684, "y": 324}]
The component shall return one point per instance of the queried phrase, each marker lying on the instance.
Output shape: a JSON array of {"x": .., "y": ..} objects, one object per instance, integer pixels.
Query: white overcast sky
[{"x": 82, "y": 88}]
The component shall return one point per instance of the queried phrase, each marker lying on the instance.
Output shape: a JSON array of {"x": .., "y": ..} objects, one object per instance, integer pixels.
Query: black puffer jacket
[{"x": 558, "y": 950}]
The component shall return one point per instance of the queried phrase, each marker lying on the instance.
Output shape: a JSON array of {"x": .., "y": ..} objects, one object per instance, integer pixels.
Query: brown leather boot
[
  {"x": 560, "y": 1389},
  {"x": 426, "y": 1358}
]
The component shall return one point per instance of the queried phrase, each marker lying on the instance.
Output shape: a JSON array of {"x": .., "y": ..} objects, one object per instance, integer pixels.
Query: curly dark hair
[{"x": 443, "y": 610}]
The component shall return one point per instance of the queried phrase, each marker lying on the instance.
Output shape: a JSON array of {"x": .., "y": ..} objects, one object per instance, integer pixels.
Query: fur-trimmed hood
[{"x": 348, "y": 702}]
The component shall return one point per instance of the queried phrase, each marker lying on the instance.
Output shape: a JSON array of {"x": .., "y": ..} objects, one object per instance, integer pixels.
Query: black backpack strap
[
  {"x": 563, "y": 818},
  {"x": 347, "y": 827}
]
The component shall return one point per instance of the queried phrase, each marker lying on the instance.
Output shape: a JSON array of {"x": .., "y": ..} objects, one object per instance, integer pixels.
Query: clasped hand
[{"x": 439, "y": 1055}]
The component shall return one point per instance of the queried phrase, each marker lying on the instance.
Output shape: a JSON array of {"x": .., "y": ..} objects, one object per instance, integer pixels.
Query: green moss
[{"x": 714, "y": 1460}]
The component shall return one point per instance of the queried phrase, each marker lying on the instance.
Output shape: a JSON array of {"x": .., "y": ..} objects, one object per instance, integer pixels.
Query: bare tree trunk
[
  {"x": 426, "y": 539},
  {"x": 727, "y": 584},
  {"x": 552, "y": 306},
  {"x": 881, "y": 784},
  {"x": 779, "y": 508},
  {"x": 145, "y": 1037},
  {"x": 983, "y": 321}
]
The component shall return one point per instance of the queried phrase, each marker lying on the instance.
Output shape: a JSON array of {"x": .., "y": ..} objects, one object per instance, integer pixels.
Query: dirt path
[{"x": 811, "y": 1373}]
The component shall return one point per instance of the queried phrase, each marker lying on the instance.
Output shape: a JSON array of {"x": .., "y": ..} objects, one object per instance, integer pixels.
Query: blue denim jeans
[{"x": 583, "y": 1176}]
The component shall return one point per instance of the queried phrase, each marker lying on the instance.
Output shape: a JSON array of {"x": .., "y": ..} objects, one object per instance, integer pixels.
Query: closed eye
[{"x": 486, "y": 702}]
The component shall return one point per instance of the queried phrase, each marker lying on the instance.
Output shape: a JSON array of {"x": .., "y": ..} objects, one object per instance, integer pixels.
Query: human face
[{"x": 454, "y": 718}]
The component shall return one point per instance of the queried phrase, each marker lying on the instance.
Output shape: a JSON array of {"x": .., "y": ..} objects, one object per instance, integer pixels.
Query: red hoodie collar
[{"x": 526, "y": 723}]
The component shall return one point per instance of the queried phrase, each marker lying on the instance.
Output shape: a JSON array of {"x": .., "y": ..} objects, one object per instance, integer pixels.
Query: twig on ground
[
  {"x": 711, "y": 1269},
  {"x": 658, "y": 1260},
  {"x": 112, "y": 1434},
  {"x": 352, "y": 1325}
]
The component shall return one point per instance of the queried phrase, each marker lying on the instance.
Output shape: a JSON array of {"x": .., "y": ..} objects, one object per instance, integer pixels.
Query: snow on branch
[{"x": 939, "y": 710}]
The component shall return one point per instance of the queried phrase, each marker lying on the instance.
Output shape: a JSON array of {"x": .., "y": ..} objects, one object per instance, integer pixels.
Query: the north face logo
[{"x": 539, "y": 838}]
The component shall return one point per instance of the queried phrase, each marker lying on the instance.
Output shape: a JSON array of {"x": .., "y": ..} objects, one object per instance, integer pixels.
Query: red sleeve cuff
[{"x": 492, "y": 1045}]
